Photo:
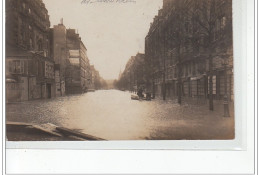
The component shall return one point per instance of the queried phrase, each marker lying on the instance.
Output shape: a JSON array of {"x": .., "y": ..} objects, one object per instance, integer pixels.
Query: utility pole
[
  {"x": 164, "y": 69},
  {"x": 60, "y": 68},
  {"x": 153, "y": 85},
  {"x": 211, "y": 26},
  {"x": 179, "y": 75},
  {"x": 226, "y": 107},
  {"x": 163, "y": 55},
  {"x": 210, "y": 84},
  {"x": 158, "y": 48}
]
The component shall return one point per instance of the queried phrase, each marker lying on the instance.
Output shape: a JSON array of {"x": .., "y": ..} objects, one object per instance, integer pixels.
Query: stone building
[
  {"x": 59, "y": 52},
  {"x": 78, "y": 72},
  {"x": 72, "y": 68},
  {"x": 29, "y": 66},
  {"x": 97, "y": 82},
  {"x": 189, "y": 49}
]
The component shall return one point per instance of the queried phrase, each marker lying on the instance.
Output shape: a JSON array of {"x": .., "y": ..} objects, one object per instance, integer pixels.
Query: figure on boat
[{"x": 140, "y": 92}]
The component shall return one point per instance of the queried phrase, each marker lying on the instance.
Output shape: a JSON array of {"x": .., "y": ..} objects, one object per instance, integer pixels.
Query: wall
[
  {"x": 13, "y": 92},
  {"x": 34, "y": 89}
]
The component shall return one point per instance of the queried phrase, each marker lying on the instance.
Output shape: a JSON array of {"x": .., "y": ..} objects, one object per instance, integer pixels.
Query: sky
[{"x": 112, "y": 31}]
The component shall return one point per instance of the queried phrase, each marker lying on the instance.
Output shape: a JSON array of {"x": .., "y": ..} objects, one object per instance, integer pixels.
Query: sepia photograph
[{"x": 118, "y": 70}]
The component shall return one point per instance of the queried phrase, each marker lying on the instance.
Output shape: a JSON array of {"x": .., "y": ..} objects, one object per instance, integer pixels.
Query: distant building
[
  {"x": 93, "y": 72},
  {"x": 133, "y": 77},
  {"x": 96, "y": 80},
  {"x": 78, "y": 73},
  {"x": 29, "y": 65}
]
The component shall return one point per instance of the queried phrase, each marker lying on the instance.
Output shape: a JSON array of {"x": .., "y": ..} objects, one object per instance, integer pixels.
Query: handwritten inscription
[{"x": 107, "y": 1}]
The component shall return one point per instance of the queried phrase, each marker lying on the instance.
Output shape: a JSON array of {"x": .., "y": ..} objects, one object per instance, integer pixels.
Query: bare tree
[
  {"x": 205, "y": 16},
  {"x": 176, "y": 35}
]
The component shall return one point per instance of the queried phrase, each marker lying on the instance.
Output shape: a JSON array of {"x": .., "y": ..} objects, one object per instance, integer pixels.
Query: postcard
[
  {"x": 119, "y": 70},
  {"x": 128, "y": 86}
]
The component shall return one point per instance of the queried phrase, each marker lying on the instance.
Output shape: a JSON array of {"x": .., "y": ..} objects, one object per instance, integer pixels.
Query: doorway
[{"x": 48, "y": 89}]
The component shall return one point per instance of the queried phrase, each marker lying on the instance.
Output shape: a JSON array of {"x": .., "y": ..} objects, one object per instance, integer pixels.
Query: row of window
[
  {"x": 29, "y": 11},
  {"x": 29, "y": 39},
  {"x": 33, "y": 66},
  {"x": 16, "y": 66},
  {"x": 193, "y": 69},
  {"x": 187, "y": 70}
]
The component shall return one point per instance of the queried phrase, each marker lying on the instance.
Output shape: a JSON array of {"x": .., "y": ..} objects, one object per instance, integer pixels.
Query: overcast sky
[{"x": 112, "y": 32}]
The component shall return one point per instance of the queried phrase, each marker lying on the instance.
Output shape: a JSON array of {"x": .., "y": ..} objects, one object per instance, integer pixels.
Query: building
[
  {"x": 78, "y": 73},
  {"x": 93, "y": 77},
  {"x": 139, "y": 73},
  {"x": 59, "y": 52},
  {"x": 187, "y": 54},
  {"x": 97, "y": 82},
  {"x": 29, "y": 65},
  {"x": 133, "y": 77},
  {"x": 72, "y": 68}
]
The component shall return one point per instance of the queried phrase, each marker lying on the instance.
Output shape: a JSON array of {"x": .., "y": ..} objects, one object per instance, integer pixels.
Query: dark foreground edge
[{"x": 18, "y": 131}]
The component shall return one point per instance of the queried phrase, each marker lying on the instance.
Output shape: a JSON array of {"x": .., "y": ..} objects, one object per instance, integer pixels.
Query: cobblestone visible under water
[{"x": 112, "y": 115}]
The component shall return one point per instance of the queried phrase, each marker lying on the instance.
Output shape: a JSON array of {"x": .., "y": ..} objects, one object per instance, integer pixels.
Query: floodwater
[{"x": 112, "y": 115}]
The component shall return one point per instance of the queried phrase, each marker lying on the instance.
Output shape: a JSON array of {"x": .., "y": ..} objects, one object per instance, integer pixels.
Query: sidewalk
[
  {"x": 202, "y": 103},
  {"x": 192, "y": 120}
]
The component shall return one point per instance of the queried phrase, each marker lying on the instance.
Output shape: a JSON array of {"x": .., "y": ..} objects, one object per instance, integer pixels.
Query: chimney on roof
[{"x": 61, "y": 21}]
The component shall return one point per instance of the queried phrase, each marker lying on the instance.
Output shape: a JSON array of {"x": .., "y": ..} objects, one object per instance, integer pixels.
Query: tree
[
  {"x": 176, "y": 35},
  {"x": 206, "y": 18}
]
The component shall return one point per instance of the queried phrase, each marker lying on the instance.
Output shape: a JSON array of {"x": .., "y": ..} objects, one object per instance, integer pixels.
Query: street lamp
[{"x": 226, "y": 106}]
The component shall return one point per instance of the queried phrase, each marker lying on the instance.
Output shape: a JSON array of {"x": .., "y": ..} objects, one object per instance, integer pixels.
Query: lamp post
[
  {"x": 226, "y": 106},
  {"x": 164, "y": 69}
]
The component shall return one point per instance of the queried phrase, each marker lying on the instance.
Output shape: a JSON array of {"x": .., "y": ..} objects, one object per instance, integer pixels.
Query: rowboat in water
[{"x": 136, "y": 97}]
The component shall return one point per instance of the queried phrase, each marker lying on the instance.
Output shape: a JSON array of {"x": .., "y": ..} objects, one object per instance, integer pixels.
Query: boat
[
  {"x": 136, "y": 97},
  {"x": 91, "y": 90}
]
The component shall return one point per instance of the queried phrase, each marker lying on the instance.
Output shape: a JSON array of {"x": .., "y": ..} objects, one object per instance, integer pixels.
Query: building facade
[
  {"x": 72, "y": 68},
  {"x": 189, "y": 50},
  {"x": 59, "y": 53},
  {"x": 133, "y": 77},
  {"x": 78, "y": 73},
  {"x": 97, "y": 82},
  {"x": 93, "y": 77},
  {"x": 29, "y": 65}
]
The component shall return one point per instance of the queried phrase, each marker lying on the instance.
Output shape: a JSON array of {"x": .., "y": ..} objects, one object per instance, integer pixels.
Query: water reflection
[{"x": 112, "y": 115}]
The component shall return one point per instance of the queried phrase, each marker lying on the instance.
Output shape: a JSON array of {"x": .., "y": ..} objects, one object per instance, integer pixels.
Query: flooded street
[{"x": 112, "y": 115}]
